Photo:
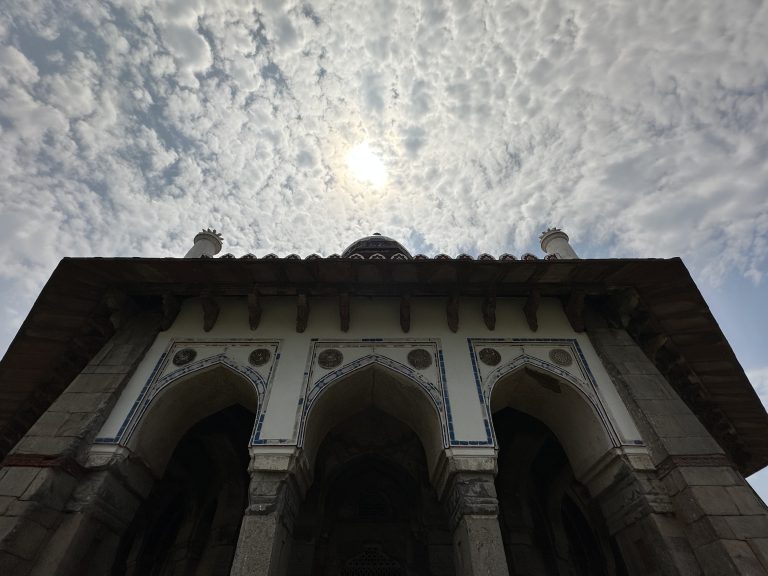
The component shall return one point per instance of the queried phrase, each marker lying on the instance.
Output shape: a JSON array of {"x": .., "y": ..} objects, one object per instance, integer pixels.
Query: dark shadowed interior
[{"x": 190, "y": 522}]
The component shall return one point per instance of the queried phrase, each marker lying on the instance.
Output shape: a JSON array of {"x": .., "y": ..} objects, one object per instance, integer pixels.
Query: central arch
[
  {"x": 374, "y": 386},
  {"x": 371, "y": 439}
]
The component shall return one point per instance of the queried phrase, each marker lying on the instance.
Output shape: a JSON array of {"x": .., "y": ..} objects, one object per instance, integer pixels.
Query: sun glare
[{"x": 366, "y": 166}]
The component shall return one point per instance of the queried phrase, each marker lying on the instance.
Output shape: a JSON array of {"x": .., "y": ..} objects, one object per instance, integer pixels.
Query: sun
[{"x": 366, "y": 166}]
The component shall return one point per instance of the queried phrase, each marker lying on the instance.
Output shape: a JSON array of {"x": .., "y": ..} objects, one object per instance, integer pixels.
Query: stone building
[{"x": 377, "y": 413}]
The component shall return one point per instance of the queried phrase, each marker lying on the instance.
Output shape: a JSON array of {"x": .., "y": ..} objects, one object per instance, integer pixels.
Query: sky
[{"x": 638, "y": 127}]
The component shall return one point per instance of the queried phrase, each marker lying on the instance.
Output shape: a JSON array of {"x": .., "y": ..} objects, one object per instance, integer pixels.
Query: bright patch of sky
[{"x": 639, "y": 127}]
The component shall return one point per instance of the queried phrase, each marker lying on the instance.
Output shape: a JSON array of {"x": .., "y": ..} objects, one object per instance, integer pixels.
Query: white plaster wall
[{"x": 370, "y": 318}]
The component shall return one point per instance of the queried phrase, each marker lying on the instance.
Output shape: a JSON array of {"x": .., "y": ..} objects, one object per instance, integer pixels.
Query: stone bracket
[
  {"x": 254, "y": 310},
  {"x": 210, "y": 312},
  {"x": 531, "y": 309},
  {"x": 302, "y": 312}
]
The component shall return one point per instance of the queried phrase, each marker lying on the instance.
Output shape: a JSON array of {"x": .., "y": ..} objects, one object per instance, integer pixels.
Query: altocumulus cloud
[{"x": 126, "y": 126}]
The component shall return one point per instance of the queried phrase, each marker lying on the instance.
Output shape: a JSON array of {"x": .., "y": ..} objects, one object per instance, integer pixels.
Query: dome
[{"x": 376, "y": 247}]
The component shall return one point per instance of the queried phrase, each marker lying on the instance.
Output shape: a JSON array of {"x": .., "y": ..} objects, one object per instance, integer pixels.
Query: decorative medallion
[
  {"x": 490, "y": 356},
  {"x": 184, "y": 356},
  {"x": 561, "y": 357},
  {"x": 330, "y": 358},
  {"x": 260, "y": 356},
  {"x": 420, "y": 359}
]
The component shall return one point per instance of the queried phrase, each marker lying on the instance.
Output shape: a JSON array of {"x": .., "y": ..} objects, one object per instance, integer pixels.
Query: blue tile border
[
  {"x": 313, "y": 389},
  {"x": 588, "y": 390},
  {"x": 154, "y": 385}
]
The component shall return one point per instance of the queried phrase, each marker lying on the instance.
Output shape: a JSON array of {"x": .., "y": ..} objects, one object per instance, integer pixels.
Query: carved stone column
[
  {"x": 640, "y": 516},
  {"x": 266, "y": 532},
  {"x": 473, "y": 507},
  {"x": 95, "y": 520}
]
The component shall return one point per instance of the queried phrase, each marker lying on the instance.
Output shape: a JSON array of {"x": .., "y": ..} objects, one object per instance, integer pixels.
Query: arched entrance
[
  {"x": 194, "y": 437},
  {"x": 371, "y": 508},
  {"x": 550, "y": 524}
]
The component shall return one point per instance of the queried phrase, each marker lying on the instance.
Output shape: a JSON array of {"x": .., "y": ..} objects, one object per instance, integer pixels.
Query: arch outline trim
[
  {"x": 437, "y": 399},
  {"x": 585, "y": 388},
  {"x": 155, "y": 384}
]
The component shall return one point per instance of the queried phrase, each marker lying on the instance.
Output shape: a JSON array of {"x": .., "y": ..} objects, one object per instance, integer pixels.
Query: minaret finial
[
  {"x": 207, "y": 244},
  {"x": 555, "y": 243}
]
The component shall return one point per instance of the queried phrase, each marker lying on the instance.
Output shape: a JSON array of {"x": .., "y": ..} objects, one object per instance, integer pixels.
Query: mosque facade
[{"x": 377, "y": 413}]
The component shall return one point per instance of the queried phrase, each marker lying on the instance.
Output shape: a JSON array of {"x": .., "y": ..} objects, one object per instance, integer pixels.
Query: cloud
[{"x": 639, "y": 128}]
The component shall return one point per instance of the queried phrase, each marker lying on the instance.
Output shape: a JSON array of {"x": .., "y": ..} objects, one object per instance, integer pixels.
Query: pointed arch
[
  {"x": 379, "y": 382},
  {"x": 568, "y": 406},
  {"x": 176, "y": 402}
]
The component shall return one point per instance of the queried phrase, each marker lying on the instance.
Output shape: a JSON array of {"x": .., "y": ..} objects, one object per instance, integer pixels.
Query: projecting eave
[{"x": 656, "y": 299}]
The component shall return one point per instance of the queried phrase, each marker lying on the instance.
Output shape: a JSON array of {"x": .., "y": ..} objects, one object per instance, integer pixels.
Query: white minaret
[
  {"x": 555, "y": 241},
  {"x": 207, "y": 243}
]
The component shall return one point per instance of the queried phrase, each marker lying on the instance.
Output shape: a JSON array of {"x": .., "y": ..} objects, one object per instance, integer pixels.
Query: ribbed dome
[{"x": 376, "y": 246}]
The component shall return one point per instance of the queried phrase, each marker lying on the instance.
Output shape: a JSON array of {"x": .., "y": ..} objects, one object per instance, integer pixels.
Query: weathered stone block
[
  {"x": 690, "y": 445},
  {"x": 746, "y": 501},
  {"x": 258, "y": 548},
  {"x": 679, "y": 425},
  {"x": 639, "y": 367},
  {"x": 714, "y": 560},
  {"x": 749, "y": 526},
  {"x": 629, "y": 355},
  {"x": 48, "y": 424},
  {"x": 120, "y": 354},
  {"x": 697, "y": 501},
  {"x": 112, "y": 370},
  {"x": 5, "y": 502},
  {"x": 78, "y": 425},
  {"x": 80, "y": 402},
  {"x": 617, "y": 336},
  {"x": 10, "y": 564},
  {"x": 51, "y": 487},
  {"x": 16, "y": 480},
  {"x": 90, "y": 383},
  {"x": 20, "y": 536},
  {"x": 648, "y": 387},
  {"x": 708, "y": 529},
  {"x": 759, "y": 548},
  {"x": 745, "y": 560},
  {"x": 708, "y": 476},
  {"x": 672, "y": 407},
  {"x": 478, "y": 547},
  {"x": 44, "y": 445},
  {"x": 35, "y": 512}
]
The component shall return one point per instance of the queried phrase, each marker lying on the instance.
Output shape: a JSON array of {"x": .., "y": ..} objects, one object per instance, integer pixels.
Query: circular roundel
[
  {"x": 489, "y": 356},
  {"x": 330, "y": 358},
  {"x": 259, "y": 356},
  {"x": 184, "y": 356},
  {"x": 420, "y": 358},
  {"x": 561, "y": 357}
]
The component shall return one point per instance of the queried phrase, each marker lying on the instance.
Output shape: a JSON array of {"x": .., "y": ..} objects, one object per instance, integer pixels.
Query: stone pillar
[
  {"x": 639, "y": 515},
  {"x": 724, "y": 522},
  {"x": 469, "y": 495},
  {"x": 266, "y": 532},
  {"x": 95, "y": 520},
  {"x": 43, "y": 470}
]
